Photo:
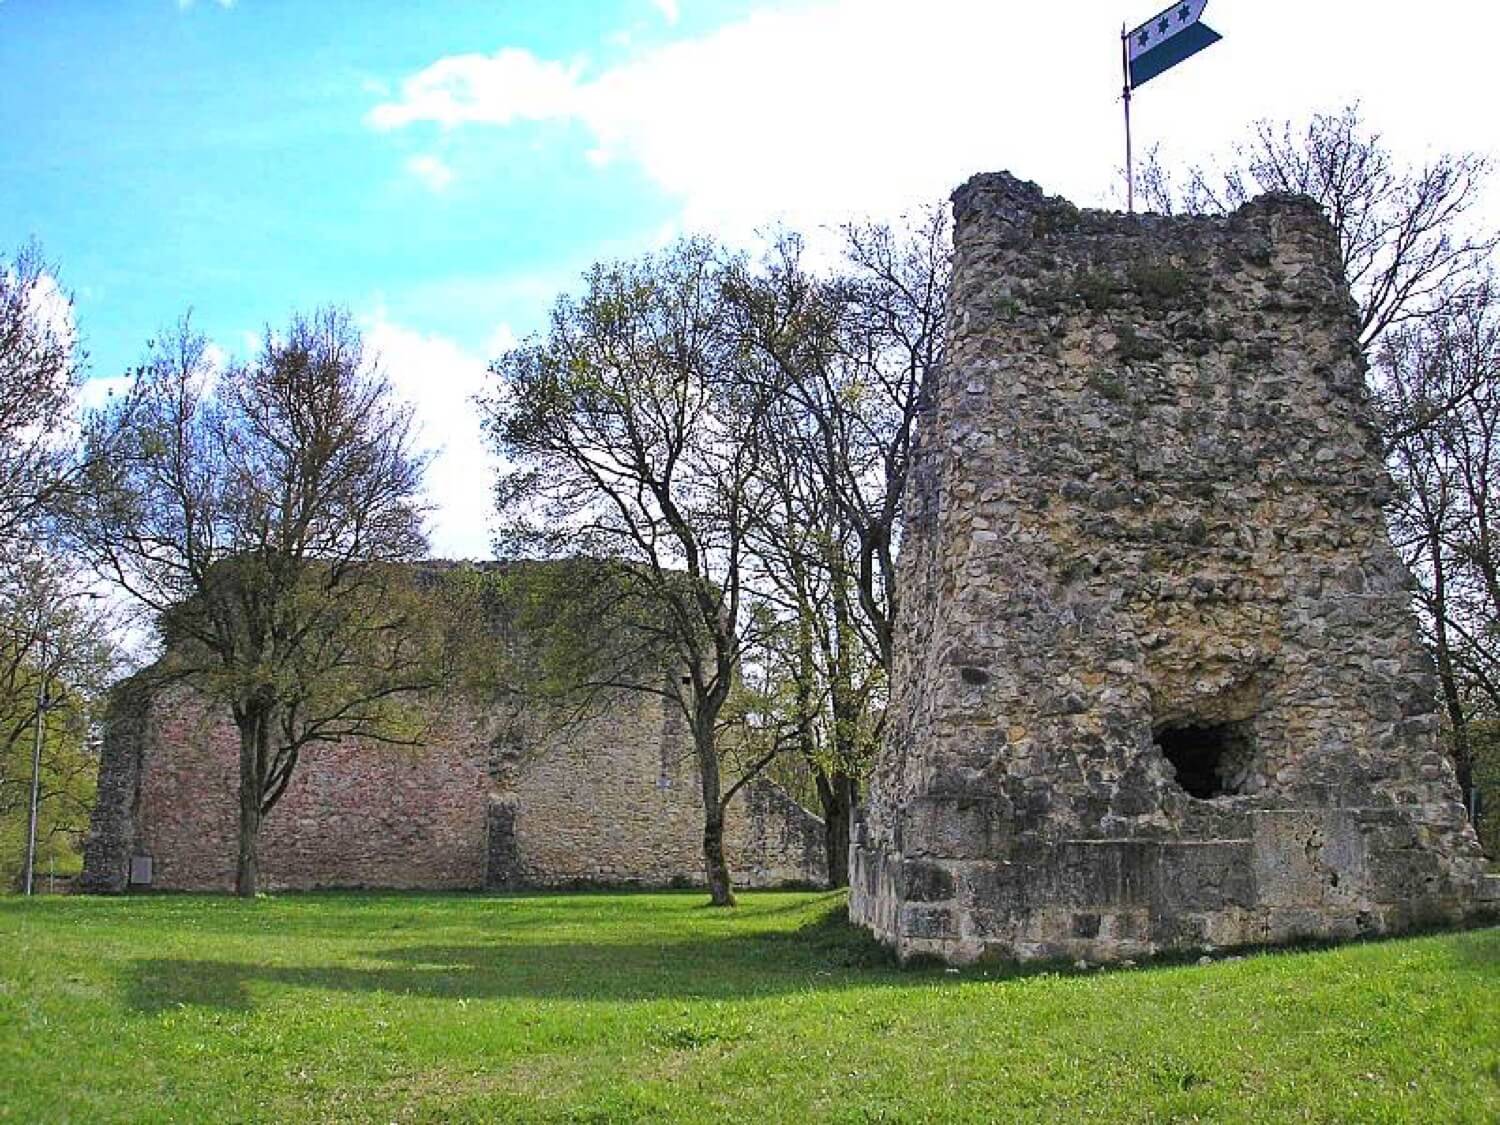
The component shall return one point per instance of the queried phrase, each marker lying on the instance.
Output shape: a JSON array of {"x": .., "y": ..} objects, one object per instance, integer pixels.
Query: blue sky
[
  {"x": 446, "y": 168},
  {"x": 219, "y": 158}
]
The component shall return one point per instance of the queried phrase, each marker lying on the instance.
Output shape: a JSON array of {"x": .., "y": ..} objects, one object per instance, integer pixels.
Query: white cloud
[
  {"x": 51, "y": 310},
  {"x": 668, "y": 8},
  {"x": 501, "y": 340},
  {"x": 97, "y": 392},
  {"x": 815, "y": 111},
  {"x": 431, "y": 171},
  {"x": 806, "y": 113},
  {"x": 440, "y": 379},
  {"x": 512, "y": 85}
]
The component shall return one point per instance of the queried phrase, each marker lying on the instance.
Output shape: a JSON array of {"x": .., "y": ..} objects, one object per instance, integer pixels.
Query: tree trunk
[
  {"x": 838, "y": 795},
  {"x": 1461, "y": 751},
  {"x": 1459, "y": 748},
  {"x": 252, "y": 730},
  {"x": 839, "y": 790},
  {"x": 716, "y": 868}
]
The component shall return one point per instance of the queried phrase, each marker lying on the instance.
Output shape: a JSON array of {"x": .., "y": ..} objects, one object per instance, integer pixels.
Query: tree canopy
[{"x": 258, "y": 510}]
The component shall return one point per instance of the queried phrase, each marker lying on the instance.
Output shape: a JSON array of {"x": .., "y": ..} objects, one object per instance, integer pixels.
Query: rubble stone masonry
[
  {"x": 483, "y": 803},
  {"x": 1159, "y": 685}
]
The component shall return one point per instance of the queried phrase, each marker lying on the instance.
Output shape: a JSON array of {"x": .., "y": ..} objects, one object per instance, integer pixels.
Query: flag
[{"x": 1166, "y": 39}]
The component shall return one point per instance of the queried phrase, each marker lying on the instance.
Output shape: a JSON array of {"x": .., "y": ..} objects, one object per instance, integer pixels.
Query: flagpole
[{"x": 1129, "y": 162}]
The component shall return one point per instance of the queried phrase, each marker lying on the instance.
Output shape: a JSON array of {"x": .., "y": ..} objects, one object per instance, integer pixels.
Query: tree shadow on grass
[
  {"x": 373, "y": 914},
  {"x": 826, "y": 952}
]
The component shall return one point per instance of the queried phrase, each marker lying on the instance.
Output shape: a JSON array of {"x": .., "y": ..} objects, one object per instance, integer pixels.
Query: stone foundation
[{"x": 1159, "y": 685}]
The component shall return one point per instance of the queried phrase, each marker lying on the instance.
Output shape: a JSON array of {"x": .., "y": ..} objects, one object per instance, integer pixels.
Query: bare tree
[
  {"x": 632, "y": 437},
  {"x": 867, "y": 403},
  {"x": 257, "y": 511},
  {"x": 847, "y": 357},
  {"x": 852, "y": 355},
  {"x": 823, "y": 681},
  {"x": 39, "y": 378},
  {"x": 1404, "y": 232},
  {"x": 1156, "y": 187},
  {"x": 1440, "y": 389}
]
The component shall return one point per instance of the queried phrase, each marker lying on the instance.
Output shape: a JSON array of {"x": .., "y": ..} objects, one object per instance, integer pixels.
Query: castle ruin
[
  {"x": 493, "y": 800},
  {"x": 1159, "y": 684}
]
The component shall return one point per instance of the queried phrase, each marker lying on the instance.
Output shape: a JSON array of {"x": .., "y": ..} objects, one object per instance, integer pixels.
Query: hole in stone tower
[{"x": 1211, "y": 759}]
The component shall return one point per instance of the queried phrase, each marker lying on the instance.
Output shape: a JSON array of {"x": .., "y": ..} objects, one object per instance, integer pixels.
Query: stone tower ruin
[{"x": 1159, "y": 685}]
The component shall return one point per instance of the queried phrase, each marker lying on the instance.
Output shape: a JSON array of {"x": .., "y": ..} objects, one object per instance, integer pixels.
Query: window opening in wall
[{"x": 1211, "y": 759}]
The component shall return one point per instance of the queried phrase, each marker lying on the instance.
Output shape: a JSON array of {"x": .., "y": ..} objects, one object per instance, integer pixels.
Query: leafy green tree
[
  {"x": 56, "y": 658},
  {"x": 632, "y": 438},
  {"x": 54, "y": 651},
  {"x": 261, "y": 513},
  {"x": 66, "y": 782},
  {"x": 1485, "y": 742}
]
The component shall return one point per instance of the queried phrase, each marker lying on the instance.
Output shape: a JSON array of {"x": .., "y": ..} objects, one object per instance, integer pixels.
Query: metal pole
[
  {"x": 36, "y": 762},
  {"x": 1129, "y": 161}
]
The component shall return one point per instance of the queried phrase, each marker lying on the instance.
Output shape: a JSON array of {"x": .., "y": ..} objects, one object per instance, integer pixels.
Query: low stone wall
[{"x": 610, "y": 801}]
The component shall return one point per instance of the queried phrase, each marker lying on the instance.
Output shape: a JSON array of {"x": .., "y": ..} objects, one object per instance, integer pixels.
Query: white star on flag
[{"x": 1167, "y": 38}]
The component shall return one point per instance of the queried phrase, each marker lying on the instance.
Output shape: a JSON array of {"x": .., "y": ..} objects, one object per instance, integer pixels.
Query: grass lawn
[{"x": 394, "y": 1008}]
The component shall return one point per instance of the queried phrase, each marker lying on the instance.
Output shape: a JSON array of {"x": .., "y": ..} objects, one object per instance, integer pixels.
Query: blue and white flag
[{"x": 1166, "y": 39}]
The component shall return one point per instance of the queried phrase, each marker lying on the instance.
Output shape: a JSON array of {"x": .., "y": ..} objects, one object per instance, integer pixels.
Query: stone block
[{"x": 922, "y": 881}]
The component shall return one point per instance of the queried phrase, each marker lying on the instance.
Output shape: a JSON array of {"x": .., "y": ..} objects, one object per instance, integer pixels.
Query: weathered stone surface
[
  {"x": 109, "y": 847},
  {"x": 485, "y": 803},
  {"x": 1489, "y": 890},
  {"x": 1158, "y": 680}
]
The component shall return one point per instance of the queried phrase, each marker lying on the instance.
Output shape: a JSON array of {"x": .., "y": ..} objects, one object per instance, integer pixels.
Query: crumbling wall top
[{"x": 1013, "y": 210}]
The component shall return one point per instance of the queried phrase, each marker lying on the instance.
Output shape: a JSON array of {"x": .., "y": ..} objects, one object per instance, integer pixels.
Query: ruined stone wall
[
  {"x": 111, "y": 840},
  {"x": 1158, "y": 680},
  {"x": 483, "y": 803},
  {"x": 354, "y": 815},
  {"x": 622, "y": 803}
]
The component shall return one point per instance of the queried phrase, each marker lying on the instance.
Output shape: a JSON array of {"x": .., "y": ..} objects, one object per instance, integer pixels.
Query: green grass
[{"x": 395, "y": 1008}]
